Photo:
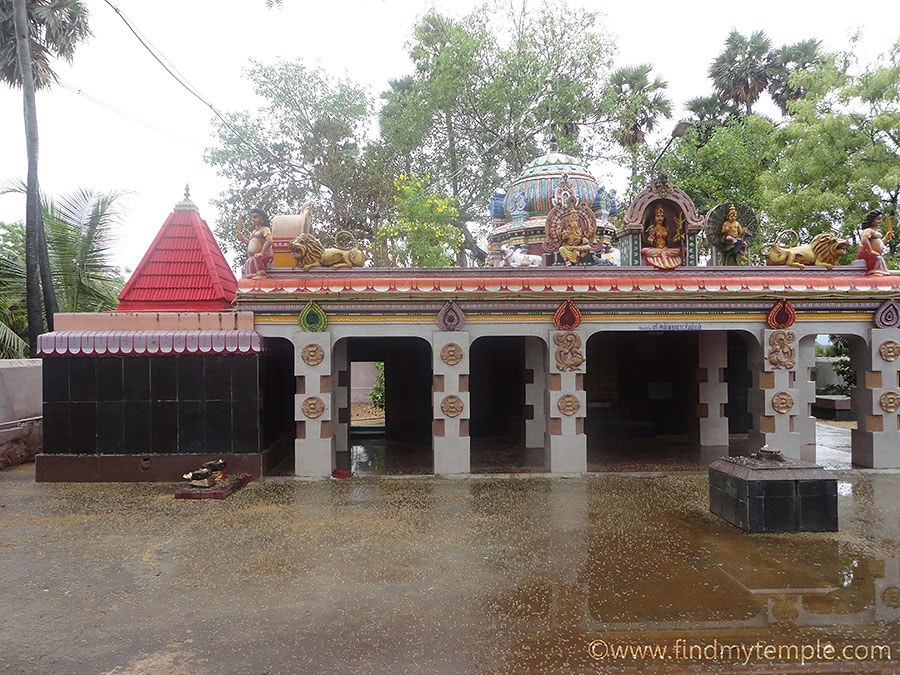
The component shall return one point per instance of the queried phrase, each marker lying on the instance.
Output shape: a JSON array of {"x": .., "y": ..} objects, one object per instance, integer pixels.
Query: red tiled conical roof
[{"x": 183, "y": 269}]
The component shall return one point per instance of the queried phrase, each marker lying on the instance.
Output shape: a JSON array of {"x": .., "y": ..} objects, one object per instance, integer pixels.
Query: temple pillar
[
  {"x": 450, "y": 367},
  {"x": 783, "y": 394},
  {"x": 340, "y": 371},
  {"x": 712, "y": 388},
  {"x": 314, "y": 445},
  {"x": 876, "y": 398},
  {"x": 566, "y": 402},
  {"x": 535, "y": 388}
]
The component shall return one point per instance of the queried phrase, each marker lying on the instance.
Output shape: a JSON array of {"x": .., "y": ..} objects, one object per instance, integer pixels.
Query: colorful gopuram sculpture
[
  {"x": 259, "y": 244},
  {"x": 730, "y": 229},
  {"x": 520, "y": 214},
  {"x": 571, "y": 229},
  {"x": 660, "y": 228}
]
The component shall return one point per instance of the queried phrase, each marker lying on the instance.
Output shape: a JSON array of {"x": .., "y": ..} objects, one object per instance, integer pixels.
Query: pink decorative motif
[
  {"x": 451, "y": 317},
  {"x": 888, "y": 315}
]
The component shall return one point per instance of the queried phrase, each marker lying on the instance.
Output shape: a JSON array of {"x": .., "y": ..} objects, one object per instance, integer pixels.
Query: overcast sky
[{"x": 86, "y": 144}]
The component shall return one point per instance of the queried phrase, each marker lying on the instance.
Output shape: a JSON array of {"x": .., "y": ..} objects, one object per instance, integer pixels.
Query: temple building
[{"x": 541, "y": 365}]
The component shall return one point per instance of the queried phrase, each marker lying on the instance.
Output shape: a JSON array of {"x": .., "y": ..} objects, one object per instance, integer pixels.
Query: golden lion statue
[
  {"x": 825, "y": 249},
  {"x": 308, "y": 252}
]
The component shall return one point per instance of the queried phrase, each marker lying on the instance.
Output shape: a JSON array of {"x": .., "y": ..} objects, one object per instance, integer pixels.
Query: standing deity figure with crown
[{"x": 571, "y": 228}]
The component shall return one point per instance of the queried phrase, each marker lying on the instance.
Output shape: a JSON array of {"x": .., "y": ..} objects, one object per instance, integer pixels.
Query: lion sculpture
[
  {"x": 308, "y": 252},
  {"x": 825, "y": 249}
]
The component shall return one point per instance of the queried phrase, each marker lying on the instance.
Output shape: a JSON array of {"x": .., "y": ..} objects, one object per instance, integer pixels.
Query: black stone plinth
[{"x": 764, "y": 495}]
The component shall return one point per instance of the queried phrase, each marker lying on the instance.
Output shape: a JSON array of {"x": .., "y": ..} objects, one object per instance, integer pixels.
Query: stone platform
[{"x": 766, "y": 495}]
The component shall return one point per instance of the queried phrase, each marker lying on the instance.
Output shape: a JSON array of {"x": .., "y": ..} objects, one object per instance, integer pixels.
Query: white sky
[{"x": 83, "y": 144}]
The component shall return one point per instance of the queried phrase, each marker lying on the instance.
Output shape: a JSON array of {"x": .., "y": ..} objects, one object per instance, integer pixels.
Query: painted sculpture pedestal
[{"x": 766, "y": 495}]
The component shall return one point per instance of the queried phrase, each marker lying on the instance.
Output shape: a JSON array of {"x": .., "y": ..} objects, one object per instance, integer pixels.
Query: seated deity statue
[
  {"x": 663, "y": 249},
  {"x": 734, "y": 244},
  {"x": 573, "y": 244}
]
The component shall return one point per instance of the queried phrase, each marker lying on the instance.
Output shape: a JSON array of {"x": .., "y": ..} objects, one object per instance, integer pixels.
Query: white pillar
[
  {"x": 535, "y": 387},
  {"x": 876, "y": 440},
  {"x": 712, "y": 388},
  {"x": 313, "y": 404},
  {"x": 450, "y": 395},
  {"x": 784, "y": 395},
  {"x": 566, "y": 403}
]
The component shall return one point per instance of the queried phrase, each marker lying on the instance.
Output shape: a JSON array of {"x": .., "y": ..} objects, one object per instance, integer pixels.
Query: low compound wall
[{"x": 21, "y": 432}]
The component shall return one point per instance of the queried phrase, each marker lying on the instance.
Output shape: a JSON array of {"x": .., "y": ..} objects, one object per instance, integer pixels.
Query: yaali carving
[
  {"x": 312, "y": 355},
  {"x": 451, "y": 354},
  {"x": 889, "y": 350},
  {"x": 782, "y": 402},
  {"x": 568, "y": 351},
  {"x": 568, "y": 405},
  {"x": 781, "y": 354}
]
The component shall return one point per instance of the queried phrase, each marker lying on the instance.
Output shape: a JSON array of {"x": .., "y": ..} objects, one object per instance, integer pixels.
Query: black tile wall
[
  {"x": 137, "y": 378},
  {"x": 159, "y": 404},
  {"x": 109, "y": 378},
  {"x": 110, "y": 427},
  {"x": 137, "y": 427},
  {"x": 55, "y": 376},
  {"x": 82, "y": 378},
  {"x": 163, "y": 378},
  {"x": 56, "y": 426}
]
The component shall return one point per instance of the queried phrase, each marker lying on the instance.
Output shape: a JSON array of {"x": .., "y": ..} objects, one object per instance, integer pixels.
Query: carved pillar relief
[
  {"x": 313, "y": 404},
  {"x": 450, "y": 366},
  {"x": 566, "y": 403}
]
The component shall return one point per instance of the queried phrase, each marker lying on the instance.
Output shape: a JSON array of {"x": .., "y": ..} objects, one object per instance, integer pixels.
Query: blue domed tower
[{"x": 520, "y": 213}]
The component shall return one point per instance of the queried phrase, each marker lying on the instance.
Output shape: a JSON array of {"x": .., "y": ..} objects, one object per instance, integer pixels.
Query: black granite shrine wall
[{"x": 163, "y": 404}]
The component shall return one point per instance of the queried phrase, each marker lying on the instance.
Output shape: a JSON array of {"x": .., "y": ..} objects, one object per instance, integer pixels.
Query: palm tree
[
  {"x": 41, "y": 29},
  {"x": 786, "y": 61},
  {"x": 80, "y": 229},
  {"x": 637, "y": 104},
  {"x": 708, "y": 113},
  {"x": 743, "y": 71}
]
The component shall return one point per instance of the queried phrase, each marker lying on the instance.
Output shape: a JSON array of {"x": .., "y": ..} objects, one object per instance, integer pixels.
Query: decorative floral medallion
[
  {"x": 312, "y": 407},
  {"x": 452, "y": 405},
  {"x": 312, "y": 355},
  {"x": 889, "y": 350},
  {"x": 451, "y": 317},
  {"x": 781, "y": 354},
  {"x": 889, "y": 401},
  {"x": 568, "y": 351},
  {"x": 888, "y": 315},
  {"x": 451, "y": 354},
  {"x": 782, "y": 315},
  {"x": 567, "y": 316},
  {"x": 891, "y": 597},
  {"x": 782, "y": 402},
  {"x": 568, "y": 405}
]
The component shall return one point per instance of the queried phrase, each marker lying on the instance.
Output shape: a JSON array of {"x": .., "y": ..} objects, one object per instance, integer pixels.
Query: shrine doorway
[
  {"x": 401, "y": 443},
  {"x": 507, "y": 384},
  {"x": 642, "y": 391}
]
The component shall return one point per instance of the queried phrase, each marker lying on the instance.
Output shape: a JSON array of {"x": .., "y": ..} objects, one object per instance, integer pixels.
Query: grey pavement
[{"x": 431, "y": 576}]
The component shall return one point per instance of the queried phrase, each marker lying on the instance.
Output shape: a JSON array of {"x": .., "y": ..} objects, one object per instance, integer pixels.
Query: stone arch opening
[
  {"x": 507, "y": 387},
  {"x": 403, "y": 443}
]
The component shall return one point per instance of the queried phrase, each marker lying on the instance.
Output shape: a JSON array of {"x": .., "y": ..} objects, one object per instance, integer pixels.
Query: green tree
[
  {"x": 80, "y": 231},
  {"x": 31, "y": 33},
  {"x": 743, "y": 70},
  {"x": 422, "y": 232},
  {"x": 308, "y": 141},
  {"x": 839, "y": 155},
  {"x": 787, "y": 61},
  {"x": 639, "y": 103},
  {"x": 487, "y": 92},
  {"x": 707, "y": 113}
]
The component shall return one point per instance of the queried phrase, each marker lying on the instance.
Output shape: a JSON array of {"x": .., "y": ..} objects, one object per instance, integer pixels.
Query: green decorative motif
[
  {"x": 692, "y": 257},
  {"x": 312, "y": 319}
]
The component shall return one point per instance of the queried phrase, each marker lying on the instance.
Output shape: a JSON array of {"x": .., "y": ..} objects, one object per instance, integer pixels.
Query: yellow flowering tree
[{"x": 421, "y": 233}]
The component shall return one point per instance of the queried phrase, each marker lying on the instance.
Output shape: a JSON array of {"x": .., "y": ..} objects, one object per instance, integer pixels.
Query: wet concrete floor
[{"x": 421, "y": 575}]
